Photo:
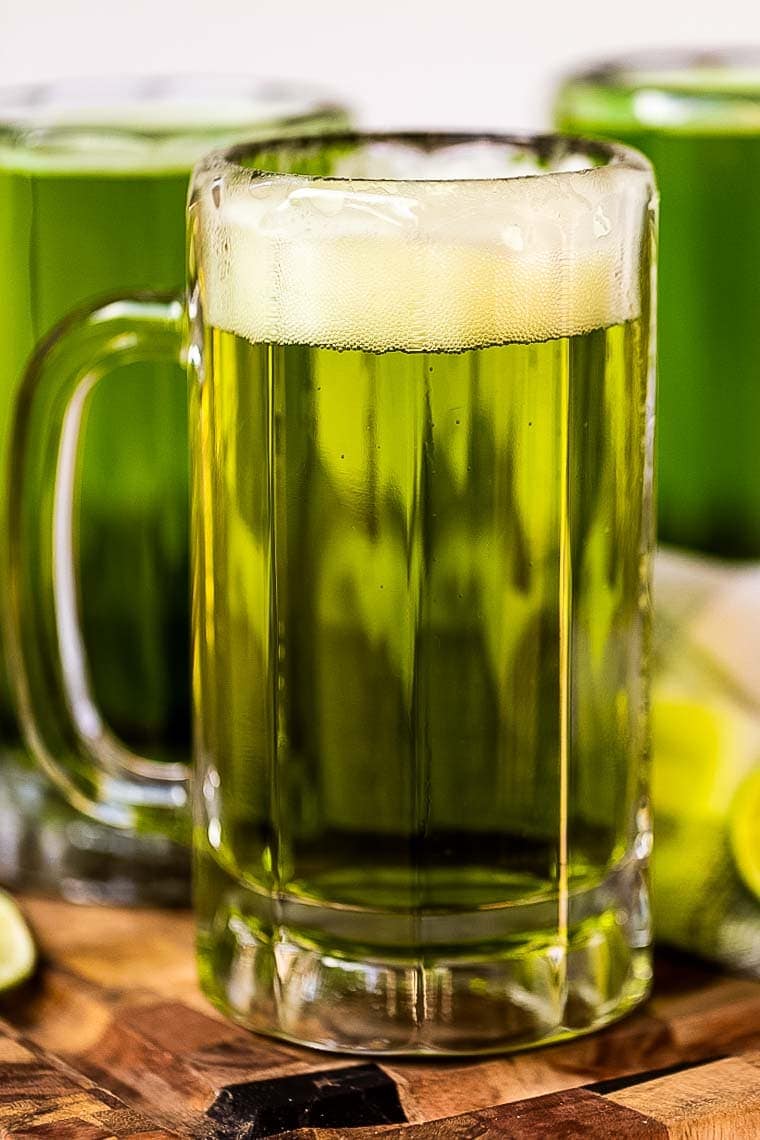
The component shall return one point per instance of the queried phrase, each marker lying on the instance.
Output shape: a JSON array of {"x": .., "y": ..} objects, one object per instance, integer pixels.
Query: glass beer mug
[
  {"x": 696, "y": 115},
  {"x": 421, "y": 409},
  {"x": 93, "y": 183}
]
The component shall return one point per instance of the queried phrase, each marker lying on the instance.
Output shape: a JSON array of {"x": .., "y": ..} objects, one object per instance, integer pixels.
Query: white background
[{"x": 483, "y": 63}]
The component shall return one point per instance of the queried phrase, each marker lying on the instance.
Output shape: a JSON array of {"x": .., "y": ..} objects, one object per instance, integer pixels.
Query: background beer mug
[
  {"x": 421, "y": 428},
  {"x": 697, "y": 117},
  {"x": 93, "y": 182}
]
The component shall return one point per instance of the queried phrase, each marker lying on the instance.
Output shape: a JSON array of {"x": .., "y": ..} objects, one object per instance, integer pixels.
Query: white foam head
[{"x": 428, "y": 261}]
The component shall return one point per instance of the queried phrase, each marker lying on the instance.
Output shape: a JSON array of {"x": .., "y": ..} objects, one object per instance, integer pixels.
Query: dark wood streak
[
  {"x": 344, "y": 1097},
  {"x": 572, "y": 1115}
]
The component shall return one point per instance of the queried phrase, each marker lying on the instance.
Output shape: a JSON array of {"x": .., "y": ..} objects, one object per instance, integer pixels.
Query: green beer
[
  {"x": 92, "y": 193},
  {"x": 84, "y": 235},
  {"x": 422, "y": 534},
  {"x": 698, "y": 120}
]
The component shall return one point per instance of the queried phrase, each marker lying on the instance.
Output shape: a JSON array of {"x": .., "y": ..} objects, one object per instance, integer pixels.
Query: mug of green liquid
[
  {"x": 697, "y": 117},
  {"x": 93, "y": 182},
  {"x": 421, "y": 412}
]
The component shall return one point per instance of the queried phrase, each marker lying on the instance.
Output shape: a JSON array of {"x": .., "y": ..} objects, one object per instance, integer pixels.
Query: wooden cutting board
[{"x": 113, "y": 1039}]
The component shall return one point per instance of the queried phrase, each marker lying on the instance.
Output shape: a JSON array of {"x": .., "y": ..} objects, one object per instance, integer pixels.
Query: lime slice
[
  {"x": 17, "y": 951},
  {"x": 744, "y": 831},
  {"x": 699, "y": 751}
]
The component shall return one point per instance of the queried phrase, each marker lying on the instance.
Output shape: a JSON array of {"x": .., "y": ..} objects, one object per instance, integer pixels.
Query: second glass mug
[
  {"x": 93, "y": 184},
  {"x": 421, "y": 408},
  {"x": 696, "y": 115}
]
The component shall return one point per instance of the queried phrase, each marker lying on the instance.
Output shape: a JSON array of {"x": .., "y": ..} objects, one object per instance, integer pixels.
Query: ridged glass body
[{"x": 420, "y": 615}]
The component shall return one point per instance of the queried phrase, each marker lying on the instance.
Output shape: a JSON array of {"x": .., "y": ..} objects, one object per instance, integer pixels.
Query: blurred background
[{"x": 402, "y": 62}]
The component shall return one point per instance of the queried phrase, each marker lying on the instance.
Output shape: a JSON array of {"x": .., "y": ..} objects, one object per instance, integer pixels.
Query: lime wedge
[
  {"x": 744, "y": 831},
  {"x": 17, "y": 951}
]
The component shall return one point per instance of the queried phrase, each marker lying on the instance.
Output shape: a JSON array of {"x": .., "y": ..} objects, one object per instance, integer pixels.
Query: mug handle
[{"x": 60, "y": 720}]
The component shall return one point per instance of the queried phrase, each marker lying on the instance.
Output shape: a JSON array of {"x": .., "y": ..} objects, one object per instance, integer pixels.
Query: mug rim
[
  {"x": 641, "y": 67},
  {"x": 62, "y": 104},
  {"x": 697, "y": 90},
  {"x": 149, "y": 125},
  {"x": 616, "y": 156}
]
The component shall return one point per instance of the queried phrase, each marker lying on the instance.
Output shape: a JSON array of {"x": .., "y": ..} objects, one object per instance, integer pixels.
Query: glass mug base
[
  {"x": 48, "y": 847},
  {"x": 493, "y": 979}
]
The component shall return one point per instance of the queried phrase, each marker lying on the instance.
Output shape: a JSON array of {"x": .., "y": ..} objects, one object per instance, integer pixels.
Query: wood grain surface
[
  {"x": 112, "y": 1038},
  {"x": 41, "y": 1096}
]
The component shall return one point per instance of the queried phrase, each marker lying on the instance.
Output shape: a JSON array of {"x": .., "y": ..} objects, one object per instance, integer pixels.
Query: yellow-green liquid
[{"x": 420, "y": 648}]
